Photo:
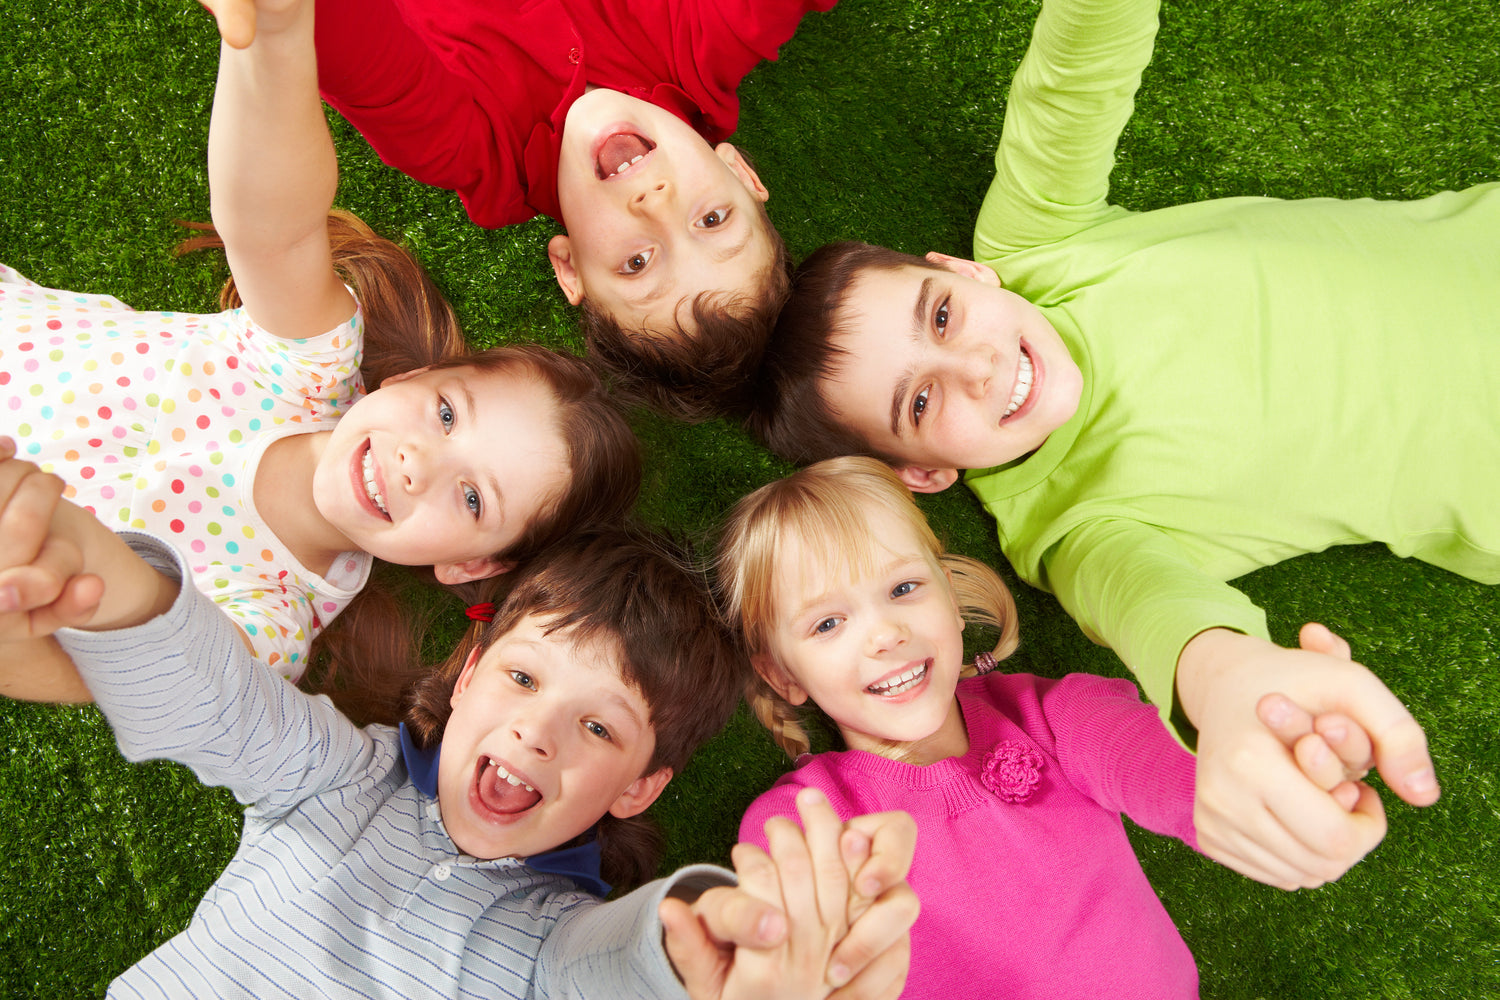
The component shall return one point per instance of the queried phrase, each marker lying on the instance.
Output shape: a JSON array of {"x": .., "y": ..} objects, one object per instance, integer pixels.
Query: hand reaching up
[{"x": 799, "y": 925}]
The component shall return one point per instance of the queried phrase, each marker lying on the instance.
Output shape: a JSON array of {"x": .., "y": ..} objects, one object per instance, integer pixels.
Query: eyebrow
[
  {"x": 498, "y": 506},
  {"x": 903, "y": 384},
  {"x": 627, "y": 708}
]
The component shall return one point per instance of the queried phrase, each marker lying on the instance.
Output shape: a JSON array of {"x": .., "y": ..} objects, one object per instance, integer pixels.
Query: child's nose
[
  {"x": 888, "y": 634},
  {"x": 976, "y": 369},
  {"x": 652, "y": 195},
  {"x": 414, "y": 467},
  {"x": 534, "y": 734}
]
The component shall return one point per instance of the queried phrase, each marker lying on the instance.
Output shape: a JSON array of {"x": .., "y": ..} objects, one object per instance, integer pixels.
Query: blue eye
[
  {"x": 445, "y": 414},
  {"x": 903, "y": 588},
  {"x": 598, "y": 730},
  {"x": 472, "y": 501},
  {"x": 826, "y": 625},
  {"x": 522, "y": 678}
]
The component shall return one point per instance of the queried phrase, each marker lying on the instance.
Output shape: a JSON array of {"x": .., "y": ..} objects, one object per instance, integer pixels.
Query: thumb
[
  {"x": 236, "y": 21},
  {"x": 697, "y": 960}
]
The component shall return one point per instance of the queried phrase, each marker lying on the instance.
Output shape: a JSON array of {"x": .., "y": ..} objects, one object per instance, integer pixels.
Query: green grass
[{"x": 879, "y": 122}]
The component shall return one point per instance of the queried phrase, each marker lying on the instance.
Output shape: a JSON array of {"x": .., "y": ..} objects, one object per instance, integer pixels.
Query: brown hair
[
  {"x": 822, "y": 505},
  {"x": 409, "y": 325},
  {"x": 706, "y": 371},
  {"x": 637, "y": 590},
  {"x": 788, "y": 413}
]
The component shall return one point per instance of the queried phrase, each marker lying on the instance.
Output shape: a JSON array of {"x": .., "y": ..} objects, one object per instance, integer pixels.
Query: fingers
[
  {"x": 885, "y": 924},
  {"x": 699, "y": 962},
  {"x": 893, "y": 844},
  {"x": 236, "y": 21},
  {"x": 884, "y": 978},
  {"x": 1287, "y": 720},
  {"x": 1317, "y": 638},
  {"x": 821, "y": 844},
  {"x": 752, "y": 914},
  {"x": 28, "y": 498}
]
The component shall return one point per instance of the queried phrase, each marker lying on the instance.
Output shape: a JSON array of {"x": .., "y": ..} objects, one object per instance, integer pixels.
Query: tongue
[
  {"x": 620, "y": 148},
  {"x": 501, "y": 796}
]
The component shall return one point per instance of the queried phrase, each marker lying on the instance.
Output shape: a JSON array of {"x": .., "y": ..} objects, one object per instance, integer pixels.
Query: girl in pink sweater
[{"x": 1029, "y": 886}]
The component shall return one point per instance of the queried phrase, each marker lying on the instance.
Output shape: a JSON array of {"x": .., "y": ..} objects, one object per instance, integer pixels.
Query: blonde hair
[{"x": 824, "y": 505}]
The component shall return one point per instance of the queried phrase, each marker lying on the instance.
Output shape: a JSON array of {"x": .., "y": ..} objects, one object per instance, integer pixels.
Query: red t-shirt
[{"x": 471, "y": 95}]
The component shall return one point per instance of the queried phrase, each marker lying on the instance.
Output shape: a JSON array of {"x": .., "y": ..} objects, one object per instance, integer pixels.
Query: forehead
[
  {"x": 589, "y": 663},
  {"x": 819, "y": 557}
]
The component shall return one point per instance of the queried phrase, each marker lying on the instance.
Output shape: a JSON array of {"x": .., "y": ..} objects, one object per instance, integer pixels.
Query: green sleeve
[
  {"x": 1132, "y": 588},
  {"x": 1071, "y": 97}
]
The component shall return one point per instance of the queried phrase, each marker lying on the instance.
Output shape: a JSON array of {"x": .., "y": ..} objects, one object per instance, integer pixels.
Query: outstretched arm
[{"x": 272, "y": 171}]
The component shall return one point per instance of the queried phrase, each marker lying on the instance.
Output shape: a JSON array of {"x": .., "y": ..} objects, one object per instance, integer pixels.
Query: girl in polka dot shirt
[{"x": 246, "y": 438}]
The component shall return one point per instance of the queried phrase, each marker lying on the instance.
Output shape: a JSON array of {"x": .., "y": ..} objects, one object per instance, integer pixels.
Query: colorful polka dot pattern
[{"x": 156, "y": 421}]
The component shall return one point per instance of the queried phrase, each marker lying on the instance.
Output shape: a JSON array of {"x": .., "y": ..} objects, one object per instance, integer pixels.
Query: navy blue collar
[{"x": 579, "y": 862}]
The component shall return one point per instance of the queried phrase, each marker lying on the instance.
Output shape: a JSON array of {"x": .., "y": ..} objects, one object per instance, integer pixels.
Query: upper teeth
[
  {"x": 901, "y": 682},
  {"x": 510, "y": 779},
  {"x": 1023, "y": 385},
  {"x": 626, "y": 166},
  {"x": 371, "y": 489}
]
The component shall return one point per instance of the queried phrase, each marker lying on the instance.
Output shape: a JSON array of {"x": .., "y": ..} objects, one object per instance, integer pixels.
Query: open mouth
[
  {"x": 1020, "y": 393},
  {"x": 902, "y": 682},
  {"x": 499, "y": 792},
  {"x": 618, "y": 152},
  {"x": 369, "y": 481}
]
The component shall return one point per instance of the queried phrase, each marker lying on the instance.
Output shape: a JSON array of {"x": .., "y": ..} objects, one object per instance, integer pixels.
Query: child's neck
[
  {"x": 950, "y": 740},
  {"x": 283, "y": 492}
]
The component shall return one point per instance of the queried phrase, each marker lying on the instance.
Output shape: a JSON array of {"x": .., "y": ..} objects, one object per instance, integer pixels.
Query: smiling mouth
[
  {"x": 1021, "y": 392},
  {"x": 501, "y": 792},
  {"x": 371, "y": 484},
  {"x": 618, "y": 152},
  {"x": 902, "y": 682}
]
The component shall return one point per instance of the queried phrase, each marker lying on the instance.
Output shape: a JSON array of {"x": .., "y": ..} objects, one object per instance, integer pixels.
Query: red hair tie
[{"x": 482, "y": 612}]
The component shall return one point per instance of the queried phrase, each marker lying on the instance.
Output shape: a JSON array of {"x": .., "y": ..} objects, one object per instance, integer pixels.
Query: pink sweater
[{"x": 1029, "y": 887}]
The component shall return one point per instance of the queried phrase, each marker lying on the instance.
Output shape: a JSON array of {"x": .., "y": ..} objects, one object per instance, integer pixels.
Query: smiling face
[
  {"x": 654, "y": 215},
  {"x": 945, "y": 370},
  {"x": 544, "y": 739},
  {"x": 444, "y": 467},
  {"x": 879, "y": 651}
]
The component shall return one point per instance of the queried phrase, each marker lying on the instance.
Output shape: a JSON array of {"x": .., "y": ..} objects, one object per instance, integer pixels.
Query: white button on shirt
[{"x": 441, "y": 872}]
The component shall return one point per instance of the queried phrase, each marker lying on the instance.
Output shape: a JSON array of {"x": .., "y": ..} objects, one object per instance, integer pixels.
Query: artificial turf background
[{"x": 879, "y": 123}]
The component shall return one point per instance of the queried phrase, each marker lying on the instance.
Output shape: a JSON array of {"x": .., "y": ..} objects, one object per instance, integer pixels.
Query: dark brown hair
[
  {"x": 410, "y": 325},
  {"x": 788, "y": 414},
  {"x": 694, "y": 374},
  {"x": 638, "y": 591}
]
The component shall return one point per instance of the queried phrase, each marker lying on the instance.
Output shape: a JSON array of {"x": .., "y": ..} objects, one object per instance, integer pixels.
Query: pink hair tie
[
  {"x": 482, "y": 612},
  {"x": 984, "y": 663}
]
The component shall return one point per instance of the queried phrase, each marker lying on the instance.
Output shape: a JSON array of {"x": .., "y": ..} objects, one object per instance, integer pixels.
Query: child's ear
[
  {"x": 742, "y": 168},
  {"x": 641, "y": 793},
  {"x": 922, "y": 480},
  {"x": 560, "y": 252},
  {"x": 967, "y": 268},
  {"x": 465, "y": 676},
  {"x": 781, "y": 682},
  {"x": 479, "y": 568}
]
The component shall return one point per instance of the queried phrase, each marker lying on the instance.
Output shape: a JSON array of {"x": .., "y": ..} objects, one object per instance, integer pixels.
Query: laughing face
[
  {"x": 879, "y": 651},
  {"x": 945, "y": 370},
  {"x": 654, "y": 214},
  {"x": 544, "y": 739},
  {"x": 443, "y": 467}
]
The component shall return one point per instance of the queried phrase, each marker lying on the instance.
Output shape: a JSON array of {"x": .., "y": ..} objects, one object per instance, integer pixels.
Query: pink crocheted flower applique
[{"x": 1012, "y": 771}]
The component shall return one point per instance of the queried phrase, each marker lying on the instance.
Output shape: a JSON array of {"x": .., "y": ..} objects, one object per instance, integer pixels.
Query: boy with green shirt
[{"x": 1153, "y": 403}]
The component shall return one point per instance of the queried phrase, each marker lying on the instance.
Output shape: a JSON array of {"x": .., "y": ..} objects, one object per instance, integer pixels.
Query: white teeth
[
  {"x": 622, "y": 168},
  {"x": 1023, "y": 385},
  {"x": 638, "y": 157},
  {"x": 368, "y": 466},
  {"x": 510, "y": 779},
  {"x": 901, "y": 682}
]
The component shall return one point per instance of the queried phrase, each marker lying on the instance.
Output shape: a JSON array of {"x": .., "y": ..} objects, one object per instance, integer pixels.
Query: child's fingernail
[
  {"x": 869, "y": 887},
  {"x": 810, "y": 796},
  {"x": 772, "y": 925},
  {"x": 10, "y": 600},
  {"x": 1277, "y": 712},
  {"x": 1421, "y": 781},
  {"x": 1335, "y": 733},
  {"x": 838, "y": 974}
]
